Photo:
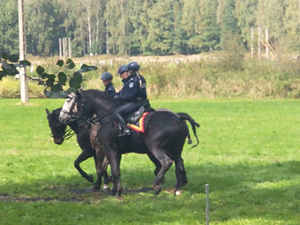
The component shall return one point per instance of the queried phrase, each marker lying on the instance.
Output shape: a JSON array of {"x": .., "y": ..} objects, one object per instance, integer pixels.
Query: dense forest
[{"x": 146, "y": 27}]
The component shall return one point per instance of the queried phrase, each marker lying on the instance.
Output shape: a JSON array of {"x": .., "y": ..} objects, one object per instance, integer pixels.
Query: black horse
[
  {"x": 85, "y": 139},
  {"x": 163, "y": 139}
]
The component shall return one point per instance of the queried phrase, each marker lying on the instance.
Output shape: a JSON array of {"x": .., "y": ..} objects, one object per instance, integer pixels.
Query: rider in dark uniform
[
  {"x": 107, "y": 77},
  {"x": 133, "y": 94}
]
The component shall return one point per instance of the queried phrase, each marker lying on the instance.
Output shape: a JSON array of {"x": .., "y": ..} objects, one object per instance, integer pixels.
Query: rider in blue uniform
[
  {"x": 133, "y": 94},
  {"x": 107, "y": 77}
]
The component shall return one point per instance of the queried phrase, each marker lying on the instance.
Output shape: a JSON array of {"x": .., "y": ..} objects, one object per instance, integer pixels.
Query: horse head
[
  {"x": 68, "y": 110},
  {"x": 84, "y": 111},
  {"x": 57, "y": 128}
]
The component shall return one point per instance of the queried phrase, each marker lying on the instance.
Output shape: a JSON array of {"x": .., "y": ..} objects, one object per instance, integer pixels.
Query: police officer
[
  {"x": 133, "y": 93},
  {"x": 106, "y": 77}
]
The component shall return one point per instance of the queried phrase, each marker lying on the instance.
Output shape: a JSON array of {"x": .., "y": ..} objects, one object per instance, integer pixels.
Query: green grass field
[{"x": 249, "y": 154}]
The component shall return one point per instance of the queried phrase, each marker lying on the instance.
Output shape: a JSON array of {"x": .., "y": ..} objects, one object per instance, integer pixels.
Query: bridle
[
  {"x": 70, "y": 111},
  {"x": 66, "y": 135}
]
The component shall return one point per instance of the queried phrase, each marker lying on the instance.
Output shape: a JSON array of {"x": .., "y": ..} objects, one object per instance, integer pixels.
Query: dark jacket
[
  {"x": 109, "y": 89},
  {"x": 134, "y": 89}
]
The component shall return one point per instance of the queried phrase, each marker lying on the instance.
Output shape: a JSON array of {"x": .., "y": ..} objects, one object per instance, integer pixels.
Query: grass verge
[{"x": 248, "y": 153}]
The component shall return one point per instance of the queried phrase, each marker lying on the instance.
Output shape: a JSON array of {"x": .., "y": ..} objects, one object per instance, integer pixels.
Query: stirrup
[{"x": 125, "y": 133}]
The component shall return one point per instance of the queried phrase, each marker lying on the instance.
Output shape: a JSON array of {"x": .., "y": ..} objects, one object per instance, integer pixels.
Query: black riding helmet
[
  {"x": 106, "y": 76},
  {"x": 122, "y": 69},
  {"x": 134, "y": 66}
]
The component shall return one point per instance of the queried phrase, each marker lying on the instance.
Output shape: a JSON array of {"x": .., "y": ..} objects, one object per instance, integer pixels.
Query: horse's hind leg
[
  {"x": 165, "y": 163},
  {"x": 157, "y": 166},
  {"x": 82, "y": 157},
  {"x": 180, "y": 175}
]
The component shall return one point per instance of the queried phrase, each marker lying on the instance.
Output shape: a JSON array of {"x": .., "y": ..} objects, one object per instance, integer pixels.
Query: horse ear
[{"x": 47, "y": 111}]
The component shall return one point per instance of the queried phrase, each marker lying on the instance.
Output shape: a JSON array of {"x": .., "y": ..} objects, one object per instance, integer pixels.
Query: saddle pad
[{"x": 139, "y": 126}]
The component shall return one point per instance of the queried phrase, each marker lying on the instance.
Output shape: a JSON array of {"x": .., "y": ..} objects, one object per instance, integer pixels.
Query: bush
[
  {"x": 202, "y": 79},
  {"x": 10, "y": 88}
]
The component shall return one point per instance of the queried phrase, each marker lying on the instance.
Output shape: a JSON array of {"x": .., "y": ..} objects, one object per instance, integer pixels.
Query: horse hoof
[
  {"x": 178, "y": 192},
  {"x": 90, "y": 178},
  {"x": 157, "y": 190},
  {"x": 105, "y": 187}
]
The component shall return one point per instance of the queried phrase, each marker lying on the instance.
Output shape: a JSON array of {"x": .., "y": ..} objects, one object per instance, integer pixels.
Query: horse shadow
[
  {"x": 219, "y": 177},
  {"x": 238, "y": 188}
]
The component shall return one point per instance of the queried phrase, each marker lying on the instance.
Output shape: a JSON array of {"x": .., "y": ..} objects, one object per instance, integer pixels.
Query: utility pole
[{"x": 22, "y": 46}]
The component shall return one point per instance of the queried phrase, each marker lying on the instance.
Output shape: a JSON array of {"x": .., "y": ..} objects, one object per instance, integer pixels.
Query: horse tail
[{"x": 194, "y": 124}]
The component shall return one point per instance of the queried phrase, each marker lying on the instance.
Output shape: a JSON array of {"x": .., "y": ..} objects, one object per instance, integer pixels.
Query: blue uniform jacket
[{"x": 134, "y": 88}]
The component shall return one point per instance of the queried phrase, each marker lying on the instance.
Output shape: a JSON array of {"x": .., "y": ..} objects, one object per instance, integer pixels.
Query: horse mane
[{"x": 100, "y": 95}]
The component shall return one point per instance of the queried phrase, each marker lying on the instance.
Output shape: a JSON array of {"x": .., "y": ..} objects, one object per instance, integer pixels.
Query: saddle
[
  {"x": 135, "y": 116},
  {"x": 135, "y": 120}
]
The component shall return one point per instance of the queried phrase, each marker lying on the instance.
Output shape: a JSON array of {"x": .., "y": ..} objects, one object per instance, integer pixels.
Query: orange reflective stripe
[{"x": 140, "y": 127}]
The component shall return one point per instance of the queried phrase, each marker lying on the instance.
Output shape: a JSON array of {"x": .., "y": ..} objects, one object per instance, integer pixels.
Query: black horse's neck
[
  {"x": 99, "y": 102},
  {"x": 74, "y": 126}
]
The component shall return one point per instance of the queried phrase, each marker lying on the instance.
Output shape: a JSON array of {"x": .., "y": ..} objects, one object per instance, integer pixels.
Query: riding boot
[{"x": 124, "y": 129}]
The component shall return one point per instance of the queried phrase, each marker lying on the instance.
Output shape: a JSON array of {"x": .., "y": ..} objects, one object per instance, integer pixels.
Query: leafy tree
[
  {"x": 42, "y": 21},
  {"x": 10, "y": 63},
  {"x": 228, "y": 20},
  {"x": 180, "y": 44},
  {"x": 292, "y": 22},
  {"x": 161, "y": 27},
  {"x": 209, "y": 33},
  {"x": 190, "y": 21},
  {"x": 246, "y": 12},
  {"x": 9, "y": 33},
  {"x": 137, "y": 27},
  {"x": 118, "y": 26},
  {"x": 145, "y": 27},
  {"x": 54, "y": 84}
]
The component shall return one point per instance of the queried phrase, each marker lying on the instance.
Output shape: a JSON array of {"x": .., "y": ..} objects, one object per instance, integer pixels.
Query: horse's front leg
[
  {"x": 82, "y": 157},
  {"x": 107, "y": 178},
  {"x": 114, "y": 160},
  {"x": 100, "y": 169}
]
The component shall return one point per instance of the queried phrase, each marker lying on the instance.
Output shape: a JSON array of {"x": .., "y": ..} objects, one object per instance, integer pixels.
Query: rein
[
  {"x": 98, "y": 119},
  {"x": 67, "y": 135},
  {"x": 104, "y": 114}
]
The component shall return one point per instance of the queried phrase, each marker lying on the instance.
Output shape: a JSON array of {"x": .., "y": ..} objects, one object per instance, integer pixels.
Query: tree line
[{"x": 146, "y": 27}]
